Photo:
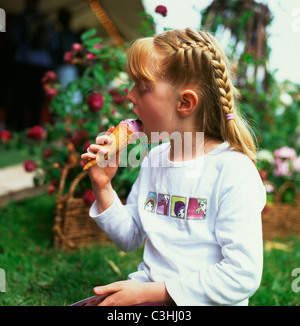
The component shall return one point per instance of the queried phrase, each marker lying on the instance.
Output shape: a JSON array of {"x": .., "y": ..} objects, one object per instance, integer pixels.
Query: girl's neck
[{"x": 191, "y": 145}]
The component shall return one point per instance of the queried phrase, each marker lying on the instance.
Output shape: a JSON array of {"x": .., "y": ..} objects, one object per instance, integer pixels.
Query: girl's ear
[{"x": 188, "y": 102}]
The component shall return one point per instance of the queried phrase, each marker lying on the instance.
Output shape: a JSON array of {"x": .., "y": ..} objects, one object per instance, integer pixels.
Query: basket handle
[
  {"x": 75, "y": 182},
  {"x": 283, "y": 188},
  {"x": 63, "y": 181}
]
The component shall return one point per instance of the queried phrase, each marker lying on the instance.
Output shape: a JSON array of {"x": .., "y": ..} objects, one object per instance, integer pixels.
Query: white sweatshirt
[{"x": 202, "y": 223}]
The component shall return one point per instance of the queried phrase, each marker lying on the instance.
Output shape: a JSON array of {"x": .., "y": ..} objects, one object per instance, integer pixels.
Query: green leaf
[
  {"x": 92, "y": 42},
  {"x": 99, "y": 75},
  {"x": 88, "y": 34}
]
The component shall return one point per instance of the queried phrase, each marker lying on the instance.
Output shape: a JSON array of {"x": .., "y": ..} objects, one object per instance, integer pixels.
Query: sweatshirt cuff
[{"x": 97, "y": 215}]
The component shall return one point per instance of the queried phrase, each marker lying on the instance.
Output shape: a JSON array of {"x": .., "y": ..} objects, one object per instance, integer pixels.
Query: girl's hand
[
  {"x": 101, "y": 176},
  {"x": 131, "y": 292},
  {"x": 123, "y": 293}
]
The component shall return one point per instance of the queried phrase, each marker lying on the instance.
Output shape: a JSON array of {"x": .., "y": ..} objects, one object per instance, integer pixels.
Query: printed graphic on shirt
[
  {"x": 178, "y": 207},
  {"x": 163, "y": 204},
  {"x": 150, "y": 202},
  {"x": 197, "y": 208}
]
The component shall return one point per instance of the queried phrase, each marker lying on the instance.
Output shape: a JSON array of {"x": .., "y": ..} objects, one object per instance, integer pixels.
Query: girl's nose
[{"x": 130, "y": 95}]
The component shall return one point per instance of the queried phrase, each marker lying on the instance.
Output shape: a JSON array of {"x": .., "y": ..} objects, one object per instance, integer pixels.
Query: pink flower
[
  {"x": 285, "y": 153},
  {"x": 296, "y": 164},
  {"x": 36, "y": 132},
  {"x": 77, "y": 47},
  {"x": 88, "y": 197},
  {"x": 29, "y": 165},
  {"x": 90, "y": 56},
  {"x": 98, "y": 46},
  {"x": 5, "y": 136},
  {"x": 161, "y": 10},
  {"x": 282, "y": 168},
  {"x": 269, "y": 188},
  {"x": 95, "y": 102}
]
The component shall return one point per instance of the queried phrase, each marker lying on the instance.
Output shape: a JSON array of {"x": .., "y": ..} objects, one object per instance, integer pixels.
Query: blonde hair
[{"x": 195, "y": 58}]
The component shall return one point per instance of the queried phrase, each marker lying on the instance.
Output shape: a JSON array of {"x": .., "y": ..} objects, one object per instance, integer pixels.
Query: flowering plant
[
  {"x": 79, "y": 110},
  {"x": 283, "y": 165}
]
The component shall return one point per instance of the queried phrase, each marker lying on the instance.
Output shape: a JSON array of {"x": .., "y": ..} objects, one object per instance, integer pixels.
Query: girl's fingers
[
  {"x": 103, "y": 140},
  {"x": 97, "y": 149},
  {"x": 110, "y": 130},
  {"x": 107, "y": 289},
  {"x": 87, "y": 157}
]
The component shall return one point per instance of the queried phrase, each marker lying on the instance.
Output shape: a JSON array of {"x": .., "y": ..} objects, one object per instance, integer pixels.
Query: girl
[{"x": 182, "y": 84}]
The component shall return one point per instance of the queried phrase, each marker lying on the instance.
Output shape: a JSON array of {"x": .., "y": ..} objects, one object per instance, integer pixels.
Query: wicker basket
[
  {"x": 73, "y": 227},
  {"x": 280, "y": 219}
]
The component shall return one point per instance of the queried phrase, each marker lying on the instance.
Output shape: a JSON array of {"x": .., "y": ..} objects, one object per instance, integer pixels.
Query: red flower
[
  {"x": 49, "y": 77},
  {"x": 118, "y": 98},
  {"x": 68, "y": 57},
  {"x": 95, "y": 102},
  {"x": 88, "y": 197},
  {"x": 29, "y": 165},
  {"x": 47, "y": 152},
  {"x": 86, "y": 146},
  {"x": 263, "y": 174},
  {"x": 90, "y": 56},
  {"x": 79, "y": 137},
  {"x": 51, "y": 93},
  {"x": 5, "y": 136},
  {"x": 161, "y": 10},
  {"x": 51, "y": 189},
  {"x": 36, "y": 132},
  {"x": 77, "y": 47}
]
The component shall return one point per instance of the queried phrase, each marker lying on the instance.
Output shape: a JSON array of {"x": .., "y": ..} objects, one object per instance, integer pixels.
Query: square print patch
[{"x": 197, "y": 209}]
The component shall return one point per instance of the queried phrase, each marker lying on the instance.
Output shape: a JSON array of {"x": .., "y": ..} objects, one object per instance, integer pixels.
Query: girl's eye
[{"x": 142, "y": 87}]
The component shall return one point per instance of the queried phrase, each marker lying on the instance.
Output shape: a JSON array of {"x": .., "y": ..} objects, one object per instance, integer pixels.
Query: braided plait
[{"x": 202, "y": 41}]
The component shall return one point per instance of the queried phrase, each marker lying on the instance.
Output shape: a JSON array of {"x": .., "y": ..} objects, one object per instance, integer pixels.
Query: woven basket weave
[
  {"x": 280, "y": 219},
  {"x": 73, "y": 227}
]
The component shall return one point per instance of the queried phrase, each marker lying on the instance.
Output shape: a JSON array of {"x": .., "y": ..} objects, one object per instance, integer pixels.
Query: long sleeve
[
  {"x": 121, "y": 222},
  {"x": 238, "y": 231}
]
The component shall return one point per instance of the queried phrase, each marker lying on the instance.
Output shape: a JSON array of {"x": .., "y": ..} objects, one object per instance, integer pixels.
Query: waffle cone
[{"x": 120, "y": 136}]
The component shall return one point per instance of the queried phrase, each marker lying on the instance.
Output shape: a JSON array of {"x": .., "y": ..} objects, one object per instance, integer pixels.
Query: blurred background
[{"x": 63, "y": 80}]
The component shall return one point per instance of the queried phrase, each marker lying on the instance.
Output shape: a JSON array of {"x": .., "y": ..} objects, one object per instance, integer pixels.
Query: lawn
[{"x": 37, "y": 274}]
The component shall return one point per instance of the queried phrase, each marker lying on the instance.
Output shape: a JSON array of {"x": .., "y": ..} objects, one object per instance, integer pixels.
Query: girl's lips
[
  {"x": 141, "y": 127},
  {"x": 139, "y": 122}
]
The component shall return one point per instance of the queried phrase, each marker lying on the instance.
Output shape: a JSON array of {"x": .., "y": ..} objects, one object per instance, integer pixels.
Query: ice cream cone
[{"x": 121, "y": 137}]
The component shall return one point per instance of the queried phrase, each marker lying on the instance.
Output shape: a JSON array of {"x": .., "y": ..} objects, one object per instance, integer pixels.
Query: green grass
[
  {"x": 276, "y": 286},
  {"x": 37, "y": 274},
  {"x": 17, "y": 156}
]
